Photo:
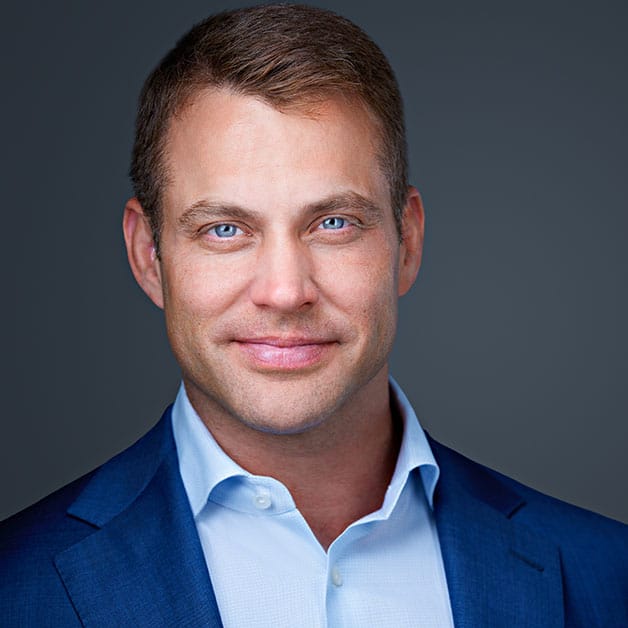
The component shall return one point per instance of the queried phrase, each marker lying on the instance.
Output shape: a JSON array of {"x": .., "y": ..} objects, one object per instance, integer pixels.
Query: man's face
[{"x": 280, "y": 261}]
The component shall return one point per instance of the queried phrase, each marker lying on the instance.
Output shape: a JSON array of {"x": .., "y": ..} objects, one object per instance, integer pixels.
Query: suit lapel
[
  {"x": 143, "y": 565},
  {"x": 499, "y": 572}
]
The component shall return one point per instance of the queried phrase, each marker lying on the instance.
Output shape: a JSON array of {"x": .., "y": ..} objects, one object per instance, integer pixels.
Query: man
[{"x": 290, "y": 484}]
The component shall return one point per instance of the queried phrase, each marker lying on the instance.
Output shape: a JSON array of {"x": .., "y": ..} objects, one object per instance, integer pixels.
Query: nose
[{"x": 283, "y": 277}]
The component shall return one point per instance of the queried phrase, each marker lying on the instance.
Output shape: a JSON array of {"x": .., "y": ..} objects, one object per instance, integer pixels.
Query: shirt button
[
  {"x": 336, "y": 578},
  {"x": 262, "y": 501}
]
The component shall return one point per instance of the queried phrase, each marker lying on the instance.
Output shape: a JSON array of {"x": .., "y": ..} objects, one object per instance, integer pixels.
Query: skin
[{"x": 279, "y": 273}]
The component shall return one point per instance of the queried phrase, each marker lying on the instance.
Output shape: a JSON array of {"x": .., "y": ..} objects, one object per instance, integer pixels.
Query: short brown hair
[{"x": 290, "y": 56}]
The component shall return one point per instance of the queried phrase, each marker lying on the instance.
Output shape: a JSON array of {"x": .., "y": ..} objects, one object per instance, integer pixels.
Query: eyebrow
[{"x": 205, "y": 209}]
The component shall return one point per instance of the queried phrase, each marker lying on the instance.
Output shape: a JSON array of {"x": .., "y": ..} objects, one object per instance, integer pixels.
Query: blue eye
[
  {"x": 334, "y": 222},
  {"x": 225, "y": 230}
]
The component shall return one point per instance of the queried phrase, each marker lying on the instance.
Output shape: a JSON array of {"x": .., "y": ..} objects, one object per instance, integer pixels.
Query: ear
[
  {"x": 411, "y": 249},
  {"x": 141, "y": 252}
]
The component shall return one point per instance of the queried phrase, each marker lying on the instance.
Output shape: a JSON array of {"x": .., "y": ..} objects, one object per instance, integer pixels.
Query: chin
[
  {"x": 279, "y": 420},
  {"x": 293, "y": 411}
]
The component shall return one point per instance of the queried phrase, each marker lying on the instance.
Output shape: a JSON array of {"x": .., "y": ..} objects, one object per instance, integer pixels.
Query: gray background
[{"x": 513, "y": 343}]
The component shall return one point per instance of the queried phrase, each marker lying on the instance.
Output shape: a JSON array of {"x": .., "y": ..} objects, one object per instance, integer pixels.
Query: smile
[{"x": 284, "y": 354}]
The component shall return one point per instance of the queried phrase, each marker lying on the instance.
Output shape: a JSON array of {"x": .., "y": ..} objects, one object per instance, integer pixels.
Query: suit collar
[
  {"x": 143, "y": 565},
  {"x": 499, "y": 572}
]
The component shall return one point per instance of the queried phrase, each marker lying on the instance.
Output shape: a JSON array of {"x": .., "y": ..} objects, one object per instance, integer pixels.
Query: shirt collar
[
  {"x": 202, "y": 462},
  {"x": 204, "y": 465},
  {"x": 415, "y": 452}
]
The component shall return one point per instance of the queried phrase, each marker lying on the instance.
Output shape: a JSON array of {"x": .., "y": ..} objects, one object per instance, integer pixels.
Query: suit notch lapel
[
  {"x": 498, "y": 572},
  {"x": 145, "y": 566}
]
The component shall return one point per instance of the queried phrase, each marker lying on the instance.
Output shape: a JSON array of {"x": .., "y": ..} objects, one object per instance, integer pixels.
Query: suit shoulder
[
  {"x": 538, "y": 510},
  {"x": 41, "y": 525},
  {"x": 565, "y": 521}
]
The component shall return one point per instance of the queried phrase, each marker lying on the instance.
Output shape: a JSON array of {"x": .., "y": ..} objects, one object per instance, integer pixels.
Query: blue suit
[{"x": 119, "y": 547}]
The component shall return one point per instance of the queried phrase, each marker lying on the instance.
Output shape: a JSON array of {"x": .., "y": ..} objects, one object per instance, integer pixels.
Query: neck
[{"x": 337, "y": 472}]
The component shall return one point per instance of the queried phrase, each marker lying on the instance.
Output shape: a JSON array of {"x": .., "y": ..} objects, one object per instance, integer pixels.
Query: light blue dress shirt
[{"x": 269, "y": 570}]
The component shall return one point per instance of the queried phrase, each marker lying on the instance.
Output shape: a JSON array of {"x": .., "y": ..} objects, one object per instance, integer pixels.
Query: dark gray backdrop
[{"x": 513, "y": 343}]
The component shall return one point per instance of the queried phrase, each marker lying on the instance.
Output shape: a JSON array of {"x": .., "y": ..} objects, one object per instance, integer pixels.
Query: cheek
[
  {"x": 198, "y": 291},
  {"x": 363, "y": 285}
]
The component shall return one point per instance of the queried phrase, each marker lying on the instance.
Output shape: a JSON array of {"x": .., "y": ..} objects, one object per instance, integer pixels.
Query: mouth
[{"x": 284, "y": 354}]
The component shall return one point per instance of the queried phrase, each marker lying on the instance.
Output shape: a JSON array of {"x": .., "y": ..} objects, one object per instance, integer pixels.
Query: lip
[{"x": 284, "y": 354}]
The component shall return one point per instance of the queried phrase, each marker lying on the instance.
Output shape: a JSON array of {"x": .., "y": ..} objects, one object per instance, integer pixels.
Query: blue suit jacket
[{"x": 119, "y": 547}]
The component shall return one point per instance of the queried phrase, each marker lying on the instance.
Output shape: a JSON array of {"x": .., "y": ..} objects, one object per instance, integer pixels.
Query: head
[
  {"x": 272, "y": 221},
  {"x": 293, "y": 58}
]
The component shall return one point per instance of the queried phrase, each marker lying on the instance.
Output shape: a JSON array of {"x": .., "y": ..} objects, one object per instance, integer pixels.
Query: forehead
[{"x": 237, "y": 148}]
